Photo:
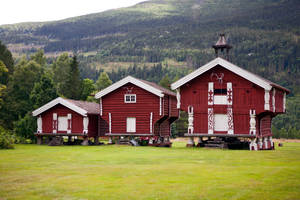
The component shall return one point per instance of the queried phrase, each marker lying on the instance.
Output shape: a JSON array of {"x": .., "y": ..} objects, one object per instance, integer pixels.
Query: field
[{"x": 124, "y": 172}]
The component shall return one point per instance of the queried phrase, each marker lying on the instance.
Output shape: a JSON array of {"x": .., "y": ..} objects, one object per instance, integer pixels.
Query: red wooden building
[
  {"x": 136, "y": 108},
  {"x": 65, "y": 117},
  {"x": 223, "y": 100}
]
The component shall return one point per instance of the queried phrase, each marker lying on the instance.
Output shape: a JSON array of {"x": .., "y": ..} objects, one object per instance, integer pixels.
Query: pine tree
[
  {"x": 103, "y": 81},
  {"x": 73, "y": 84}
]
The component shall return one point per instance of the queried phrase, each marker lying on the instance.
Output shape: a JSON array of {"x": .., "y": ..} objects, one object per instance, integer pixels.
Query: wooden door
[{"x": 131, "y": 125}]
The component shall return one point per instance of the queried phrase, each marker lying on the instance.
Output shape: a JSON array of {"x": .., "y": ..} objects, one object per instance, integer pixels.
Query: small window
[
  {"x": 220, "y": 91},
  {"x": 130, "y": 98}
]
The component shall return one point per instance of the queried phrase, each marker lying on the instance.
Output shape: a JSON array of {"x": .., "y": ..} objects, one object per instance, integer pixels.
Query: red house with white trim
[
  {"x": 66, "y": 117},
  {"x": 136, "y": 108},
  {"x": 223, "y": 100}
]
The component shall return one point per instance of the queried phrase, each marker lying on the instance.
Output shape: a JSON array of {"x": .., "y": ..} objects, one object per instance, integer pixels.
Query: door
[
  {"x": 62, "y": 123},
  {"x": 221, "y": 122},
  {"x": 131, "y": 125}
]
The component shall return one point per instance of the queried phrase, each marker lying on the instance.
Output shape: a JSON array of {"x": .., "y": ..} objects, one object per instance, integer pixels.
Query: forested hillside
[{"x": 161, "y": 40}]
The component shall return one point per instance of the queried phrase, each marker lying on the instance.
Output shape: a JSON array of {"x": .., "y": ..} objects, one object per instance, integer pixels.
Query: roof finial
[{"x": 221, "y": 45}]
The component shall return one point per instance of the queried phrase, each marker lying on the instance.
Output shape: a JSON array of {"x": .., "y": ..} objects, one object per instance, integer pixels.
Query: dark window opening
[{"x": 220, "y": 91}]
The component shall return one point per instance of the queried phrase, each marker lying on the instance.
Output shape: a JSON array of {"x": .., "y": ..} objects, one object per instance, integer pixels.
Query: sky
[{"x": 15, "y": 11}]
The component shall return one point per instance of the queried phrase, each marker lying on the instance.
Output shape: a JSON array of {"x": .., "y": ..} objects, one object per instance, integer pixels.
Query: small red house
[
  {"x": 66, "y": 117},
  {"x": 136, "y": 108},
  {"x": 224, "y": 100}
]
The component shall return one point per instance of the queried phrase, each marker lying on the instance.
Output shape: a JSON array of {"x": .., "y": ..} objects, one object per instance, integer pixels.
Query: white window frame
[
  {"x": 130, "y": 95},
  {"x": 128, "y": 128},
  {"x": 62, "y": 123}
]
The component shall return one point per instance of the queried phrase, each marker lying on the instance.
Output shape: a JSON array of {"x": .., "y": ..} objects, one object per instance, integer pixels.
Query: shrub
[{"x": 6, "y": 139}]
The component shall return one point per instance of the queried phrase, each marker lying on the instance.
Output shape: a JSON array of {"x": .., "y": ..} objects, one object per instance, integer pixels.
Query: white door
[
  {"x": 62, "y": 123},
  {"x": 130, "y": 125},
  {"x": 221, "y": 122}
]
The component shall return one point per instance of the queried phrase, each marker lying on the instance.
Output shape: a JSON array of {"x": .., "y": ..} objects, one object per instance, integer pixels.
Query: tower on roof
[{"x": 221, "y": 45}]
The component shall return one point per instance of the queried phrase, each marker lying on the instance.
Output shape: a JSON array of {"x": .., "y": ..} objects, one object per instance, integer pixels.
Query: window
[
  {"x": 62, "y": 123},
  {"x": 130, "y": 125},
  {"x": 220, "y": 91},
  {"x": 130, "y": 98}
]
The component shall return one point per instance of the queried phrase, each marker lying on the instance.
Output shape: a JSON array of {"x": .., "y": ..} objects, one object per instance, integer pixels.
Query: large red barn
[
  {"x": 223, "y": 100},
  {"x": 66, "y": 117},
  {"x": 136, "y": 108}
]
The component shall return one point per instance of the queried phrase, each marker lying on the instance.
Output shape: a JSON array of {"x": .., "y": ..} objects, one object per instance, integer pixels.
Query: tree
[
  {"x": 8, "y": 61},
  {"x": 103, "y": 81},
  {"x": 17, "y": 96},
  {"x": 43, "y": 92},
  {"x": 3, "y": 71},
  {"x": 73, "y": 83},
  {"x": 88, "y": 87},
  {"x": 165, "y": 82},
  {"x": 61, "y": 69}
]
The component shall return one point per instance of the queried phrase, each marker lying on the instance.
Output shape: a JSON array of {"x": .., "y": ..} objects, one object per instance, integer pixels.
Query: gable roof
[
  {"x": 81, "y": 107},
  {"x": 266, "y": 84},
  {"x": 146, "y": 85}
]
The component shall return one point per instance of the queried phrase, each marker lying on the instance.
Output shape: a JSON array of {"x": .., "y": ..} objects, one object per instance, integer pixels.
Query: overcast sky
[{"x": 15, "y": 11}]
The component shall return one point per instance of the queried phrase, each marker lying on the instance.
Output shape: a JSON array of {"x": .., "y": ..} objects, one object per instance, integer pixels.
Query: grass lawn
[{"x": 124, "y": 172}]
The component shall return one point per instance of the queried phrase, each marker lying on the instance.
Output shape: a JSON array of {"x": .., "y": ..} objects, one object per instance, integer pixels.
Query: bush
[
  {"x": 25, "y": 128},
  {"x": 6, "y": 139}
]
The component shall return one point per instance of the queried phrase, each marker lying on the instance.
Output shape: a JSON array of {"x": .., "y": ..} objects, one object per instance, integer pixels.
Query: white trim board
[
  {"x": 129, "y": 79},
  {"x": 227, "y": 65},
  {"x": 61, "y": 101}
]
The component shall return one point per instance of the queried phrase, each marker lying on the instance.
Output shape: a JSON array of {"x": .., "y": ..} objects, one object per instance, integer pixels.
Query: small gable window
[{"x": 130, "y": 98}]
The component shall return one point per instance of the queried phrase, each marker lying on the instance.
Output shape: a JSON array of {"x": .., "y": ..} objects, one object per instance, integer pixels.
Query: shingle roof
[
  {"x": 90, "y": 107},
  {"x": 146, "y": 85},
  {"x": 164, "y": 90},
  {"x": 81, "y": 107}
]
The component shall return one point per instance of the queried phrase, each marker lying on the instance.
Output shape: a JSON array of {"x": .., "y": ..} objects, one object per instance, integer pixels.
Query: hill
[{"x": 265, "y": 35}]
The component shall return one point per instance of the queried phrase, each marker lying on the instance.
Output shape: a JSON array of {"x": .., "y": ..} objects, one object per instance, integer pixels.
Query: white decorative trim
[
  {"x": 109, "y": 119},
  {"x": 252, "y": 123},
  {"x": 210, "y": 121},
  {"x": 260, "y": 143},
  {"x": 61, "y": 101},
  {"x": 129, "y": 79},
  {"x": 54, "y": 123},
  {"x": 178, "y": 98},
  {"x": 273, "y": 100},
  {"x": 227, "y": 65},
  {"x": 210, "y": 93},
  {"x": 271, "y": 141},
  {"x": 69, "y": 123},
  {"x": 267, "y": 100},
  {"x": 39, "y": 124},
  {"x": 229, "y": 96},
  {"x": 253, "y": 144},
  {"x": 160, "y": 105},
  {"x": 191, "y": 120},
  {"x": 101, "y": 109},
  {"x": 266, "y": 143},
  {"x": 151, "y": 119},
  {"x": 230, "y": 121},
  {"x": 284, "y": 101},
  {"x": 85, "y": 121}
]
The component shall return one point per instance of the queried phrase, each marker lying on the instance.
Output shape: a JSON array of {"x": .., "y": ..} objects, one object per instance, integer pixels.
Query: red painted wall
[
  {"x": 47, "y": 118},
  {"x": 246, "y": 96},
  {"x": 77, "y": 123},
  {"x": 146, "y": 103}
]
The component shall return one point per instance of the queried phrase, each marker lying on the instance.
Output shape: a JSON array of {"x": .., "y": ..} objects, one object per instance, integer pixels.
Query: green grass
[{"x": 124, "y": 172}]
